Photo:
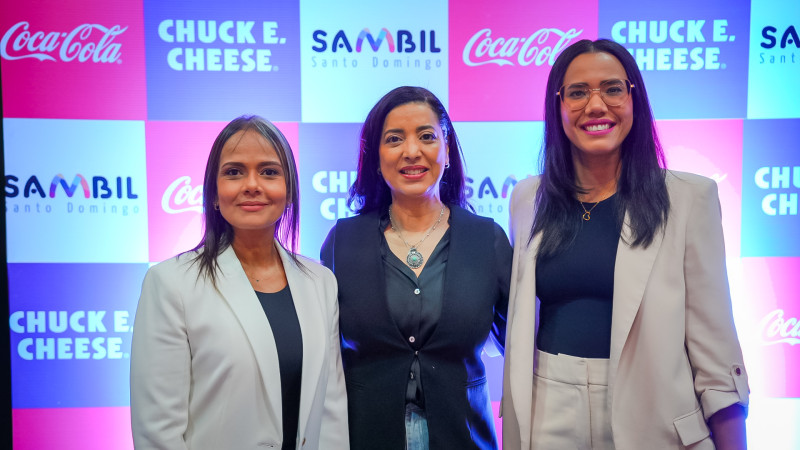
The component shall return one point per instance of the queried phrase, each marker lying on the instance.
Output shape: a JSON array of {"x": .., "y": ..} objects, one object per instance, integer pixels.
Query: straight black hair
[
  {"x": 218, "y": 233},
  {"x": 370, "y": 192},
  {"x": 641, "y": 188}
]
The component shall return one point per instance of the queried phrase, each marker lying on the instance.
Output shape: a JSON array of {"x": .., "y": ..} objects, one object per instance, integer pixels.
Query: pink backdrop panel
[
  {"x": 501, "y": 54},
  {"x": 712, "y": 148},
  {"x": 72, "y": 428},
  {"x": 176, "y": 160},
  {"x": 79, "y": 60},
  {"x": 769, "y": 325}
]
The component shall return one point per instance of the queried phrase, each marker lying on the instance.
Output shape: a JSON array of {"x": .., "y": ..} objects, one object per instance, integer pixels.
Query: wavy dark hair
[
  {"x": 641, "y": 188},
  {"x": 370, "y": 192},
  {"x": 218, "y": 233}
]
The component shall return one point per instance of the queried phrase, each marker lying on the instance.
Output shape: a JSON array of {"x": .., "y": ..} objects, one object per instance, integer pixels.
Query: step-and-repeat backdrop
[{"x": 110, "y": 110}]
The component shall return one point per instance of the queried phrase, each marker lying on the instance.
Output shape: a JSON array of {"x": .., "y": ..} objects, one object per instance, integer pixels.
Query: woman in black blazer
[{"x": 422, "y": 284}]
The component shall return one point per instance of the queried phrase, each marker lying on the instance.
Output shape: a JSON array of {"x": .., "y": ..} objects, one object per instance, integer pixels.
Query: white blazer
[
  {"x": 675, "y": 358},
  {"x": 204, "y": 366}
]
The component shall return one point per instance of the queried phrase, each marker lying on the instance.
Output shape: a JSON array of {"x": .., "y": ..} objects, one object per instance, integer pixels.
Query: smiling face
[
  {"x": 251, "y": 186},
  {"x": 413, "y": 151},
  {"x": 597, "y": 130}
]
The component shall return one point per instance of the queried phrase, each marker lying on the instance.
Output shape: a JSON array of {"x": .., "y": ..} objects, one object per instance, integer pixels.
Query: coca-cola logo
[
  {"x": 537, "y": 49},
  {"x": 775, "y": 329},
  {"x": 87, "y": 42},
  {"x": 181, "y": 197}
]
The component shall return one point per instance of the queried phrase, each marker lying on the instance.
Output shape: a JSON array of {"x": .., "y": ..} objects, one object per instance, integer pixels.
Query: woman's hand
[{"x": 727, "y": 428}]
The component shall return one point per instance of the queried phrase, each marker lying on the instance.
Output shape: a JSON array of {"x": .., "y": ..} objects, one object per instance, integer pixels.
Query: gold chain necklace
[{"x": 587, "y": 213}]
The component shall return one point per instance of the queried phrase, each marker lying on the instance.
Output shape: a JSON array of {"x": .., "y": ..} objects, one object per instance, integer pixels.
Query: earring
[
  {"x": 216, "y": 206},
  {"x": 447, "y": 165}
]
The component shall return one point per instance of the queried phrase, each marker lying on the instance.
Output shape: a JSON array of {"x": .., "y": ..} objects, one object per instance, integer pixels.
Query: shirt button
[
  {"x": 412, "y": 375},
  {"x": 411, "y": 339},
  {"x": 738, "y": 371},
  {"x": 416, "y": 291},
  {"x": 416, "y": 352}
]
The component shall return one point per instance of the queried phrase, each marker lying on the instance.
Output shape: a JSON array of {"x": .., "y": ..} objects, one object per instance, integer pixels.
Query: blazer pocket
[{"x": 691, "y": 427}]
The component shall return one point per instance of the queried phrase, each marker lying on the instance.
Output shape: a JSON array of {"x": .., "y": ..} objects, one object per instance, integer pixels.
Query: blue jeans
[{"x": 416, "y": 428}]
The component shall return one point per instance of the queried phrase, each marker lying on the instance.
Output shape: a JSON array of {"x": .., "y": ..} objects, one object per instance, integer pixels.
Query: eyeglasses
[{"x": 613, "y": 93}]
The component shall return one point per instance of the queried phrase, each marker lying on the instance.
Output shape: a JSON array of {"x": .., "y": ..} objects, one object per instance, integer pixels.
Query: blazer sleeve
[
  {"x": 334, "y": 430},
  {"x": 326, "y": 252},
  {"x": 502, "y": 253},
  {"x": 160, "y": 366},
  {"x": 711, "y": 341}
]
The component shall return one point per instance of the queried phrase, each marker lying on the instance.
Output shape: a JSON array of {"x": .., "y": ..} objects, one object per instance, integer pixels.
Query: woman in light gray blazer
[
  {"x": 236, "y": 343},
  {"x": 620, "y": 330}
]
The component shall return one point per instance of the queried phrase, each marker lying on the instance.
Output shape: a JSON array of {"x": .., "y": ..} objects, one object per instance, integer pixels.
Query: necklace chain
[
  {"x": 414, "y": 258},
  {"x": 587, "y": 213}
]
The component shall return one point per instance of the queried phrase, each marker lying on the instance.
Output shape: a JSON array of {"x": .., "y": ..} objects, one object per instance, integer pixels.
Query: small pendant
[
  {"x": 414, "y": 258},
  {"x": 586, "y": 216}
]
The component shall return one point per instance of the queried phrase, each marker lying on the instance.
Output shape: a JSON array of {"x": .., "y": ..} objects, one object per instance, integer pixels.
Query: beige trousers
[{"x": 570, "y": 403}]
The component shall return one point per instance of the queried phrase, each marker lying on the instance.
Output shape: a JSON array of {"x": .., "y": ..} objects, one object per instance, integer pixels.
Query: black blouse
[
  {"x": 576, "y": 288},
  {"x": 282, "y": 316},
  {"x": 415, "y": 303}
]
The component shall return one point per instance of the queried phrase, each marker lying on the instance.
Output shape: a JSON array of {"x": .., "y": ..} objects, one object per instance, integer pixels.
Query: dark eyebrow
[
  {"x": 583, "y": 83},
  {"x": 261, "y": 164},
  {"x": 419, "y": 128}
]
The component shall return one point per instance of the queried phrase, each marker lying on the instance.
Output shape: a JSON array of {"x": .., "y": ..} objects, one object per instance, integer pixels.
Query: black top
[
  {"x": 282, "y": 316},
  {"x": 377, "y": 356},
  {"x": 415, "y": 303},
  {"x": 576, "y": 287}
]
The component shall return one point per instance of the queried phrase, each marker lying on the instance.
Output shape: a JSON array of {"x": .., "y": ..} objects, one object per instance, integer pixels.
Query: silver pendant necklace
[{"x": 414, "y": 259}]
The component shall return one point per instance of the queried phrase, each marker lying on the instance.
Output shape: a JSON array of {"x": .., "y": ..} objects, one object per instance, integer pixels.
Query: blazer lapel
[
  {"x": 521, "y": 340},
  {"x": 631, "y": 274},
  {"x": 307, "y": 303},
  {"x": 240, "y": 296}
]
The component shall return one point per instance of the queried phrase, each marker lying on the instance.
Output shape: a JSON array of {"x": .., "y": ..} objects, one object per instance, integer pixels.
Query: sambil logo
[
  {"x": 228, "y": 33},
  {"x": 785, "y": 42},
  {"x": 374, "y": 43},
  {"x": 87, "y": 42},
  {"x": 779, "y": 203},
  {"x": 539, "y": 48},
  {"x": 180, "y": 197},
  {"x": 403, "y": 41},
  {"x": 59, "y": 179},
  {"x": 788, "y": 37},
  {"x": 487, "y": 187},
  {"x": 485, "y": 198},
  {"x": 426, "y": 41},
  {"x": 674, "y": 45},
  {"x": 102, "y": 188}
]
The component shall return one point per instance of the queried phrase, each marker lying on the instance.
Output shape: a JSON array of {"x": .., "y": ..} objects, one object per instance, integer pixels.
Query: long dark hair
[
  {"x": 218, "y": 233},
  {"x": 370, "y": 192},
  {"x": 641, "y": 189}
]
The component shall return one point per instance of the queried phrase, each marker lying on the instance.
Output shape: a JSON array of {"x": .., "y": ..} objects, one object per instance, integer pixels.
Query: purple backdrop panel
[
  {"x": 328, "y": 160},
  {"x": 771, "y": 190},
  {"x": 693, "y": 55},
  {"x": 71, "y": 328},
  {"x": 210, "y": 60}
]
